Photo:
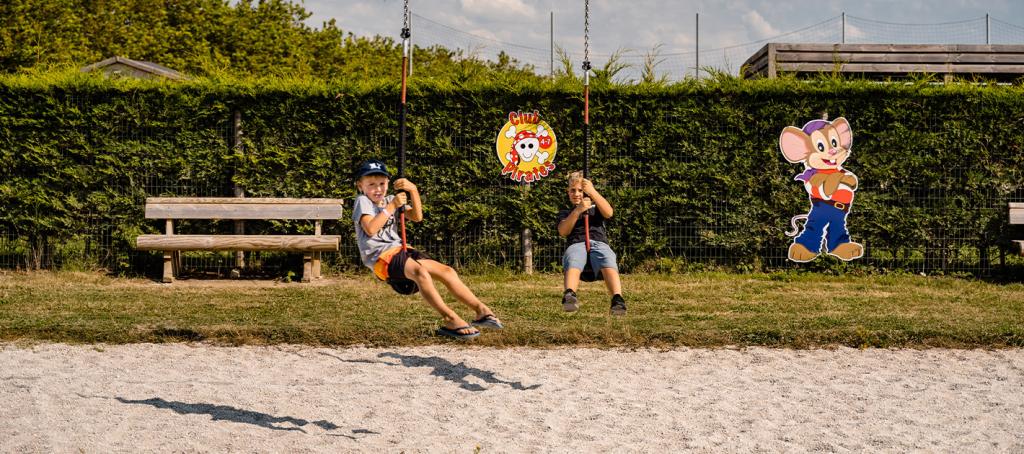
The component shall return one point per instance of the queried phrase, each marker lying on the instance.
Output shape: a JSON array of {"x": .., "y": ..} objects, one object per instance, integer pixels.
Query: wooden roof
[
  {"x": 994, "y": 61},
  {"x": 136, "y": 68}
]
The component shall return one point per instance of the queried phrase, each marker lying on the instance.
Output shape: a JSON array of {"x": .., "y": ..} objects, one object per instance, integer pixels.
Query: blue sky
[
  {"x": 640, "y": 25},
  {"x": 645, "y": 23}
]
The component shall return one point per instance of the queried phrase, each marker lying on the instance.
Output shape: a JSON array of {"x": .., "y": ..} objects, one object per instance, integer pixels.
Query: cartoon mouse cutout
[{"x": 822, "y": 147}]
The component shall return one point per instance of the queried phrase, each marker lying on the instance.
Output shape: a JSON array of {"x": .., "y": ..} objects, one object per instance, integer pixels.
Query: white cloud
[
  {"x": 723, "y": 38},
  {"x": 498, "y": 9},
  {"x": 680, "y": 41},
  {"x": 483, "y": 32},
  {"x": 758, "y": 25},
  {"x": 854, "y": 33}
]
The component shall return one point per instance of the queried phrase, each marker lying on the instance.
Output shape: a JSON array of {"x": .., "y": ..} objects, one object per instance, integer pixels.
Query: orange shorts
[
  {"x": 380, "y": 269},
  {"x": 391, "y": 263}
]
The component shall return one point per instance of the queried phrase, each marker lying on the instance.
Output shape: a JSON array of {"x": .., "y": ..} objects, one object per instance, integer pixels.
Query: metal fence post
[
  {"x": 696, "y": 53},
  {"x": 527, "y": 242},
  {"x": 988, "y": 29},
  {"x": 236, "y": 146},
  {"x": 552, "y": 45},
  {"x": 527, "y": 251}
]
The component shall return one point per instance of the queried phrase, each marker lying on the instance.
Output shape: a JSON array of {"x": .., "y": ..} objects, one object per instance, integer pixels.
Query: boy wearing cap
[
  {"x": 571, "y": 224},
  {"x": 407, "y": 270}
]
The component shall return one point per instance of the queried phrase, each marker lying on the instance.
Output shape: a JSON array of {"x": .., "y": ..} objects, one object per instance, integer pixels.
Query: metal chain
[
  {"x": 405, "y": 20},
  {"x": 586, "y": 35}
]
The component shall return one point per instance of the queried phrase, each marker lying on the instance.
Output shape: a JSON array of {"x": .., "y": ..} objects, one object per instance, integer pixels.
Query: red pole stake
[
  {"x": 401, "y": 217},
  {"x": 401, "y": 150},
  {"x": 586, "y": 232},
  {"x": 586, "y": 149}
]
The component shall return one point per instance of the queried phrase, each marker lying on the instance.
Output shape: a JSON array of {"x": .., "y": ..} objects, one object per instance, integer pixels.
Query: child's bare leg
[
  {"x": 421, "y": 275},
  {"x": 450, "y": 278},
  {"x": 611, "y": 280},
  {"x": 572, "y": 279}
]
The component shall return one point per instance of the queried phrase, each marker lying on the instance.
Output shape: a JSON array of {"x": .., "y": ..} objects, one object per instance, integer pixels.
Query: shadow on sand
[
  {"x": 228, "y": 413},
  {"x": 457, "y": 373}
]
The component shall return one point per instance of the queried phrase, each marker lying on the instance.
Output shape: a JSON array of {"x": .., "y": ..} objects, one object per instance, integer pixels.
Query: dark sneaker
[
  {"x": 618, "y": 305},
  {"x": 570, "y": 303}
]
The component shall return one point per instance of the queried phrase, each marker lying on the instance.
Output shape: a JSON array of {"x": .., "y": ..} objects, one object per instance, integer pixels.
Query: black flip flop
[
  {"x": 454, "y": 332},
  {"x": 488, "y": 321}
]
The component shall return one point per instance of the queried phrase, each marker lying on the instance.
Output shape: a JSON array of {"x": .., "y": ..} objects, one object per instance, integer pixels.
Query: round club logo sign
[{"x": 526, "y": 146}]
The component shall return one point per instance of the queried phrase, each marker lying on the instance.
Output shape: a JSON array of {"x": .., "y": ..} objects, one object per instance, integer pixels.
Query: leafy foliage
[
  {"x": 693, "y": 168},
  {"x": 214, "y": 38}
]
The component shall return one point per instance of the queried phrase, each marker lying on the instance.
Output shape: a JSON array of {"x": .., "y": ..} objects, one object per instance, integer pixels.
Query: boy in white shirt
[{"x": 408, "y": 270}]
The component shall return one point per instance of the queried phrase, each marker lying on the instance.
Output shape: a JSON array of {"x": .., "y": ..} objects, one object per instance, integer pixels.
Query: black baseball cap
[{"x": 372, "y": 167}]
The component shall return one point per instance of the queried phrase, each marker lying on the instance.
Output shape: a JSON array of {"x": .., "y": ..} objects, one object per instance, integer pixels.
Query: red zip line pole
[
  {"x": 586, "y": 115},
  {"x": 586, "y": 147},
  {"x": 401, "y": 141}
]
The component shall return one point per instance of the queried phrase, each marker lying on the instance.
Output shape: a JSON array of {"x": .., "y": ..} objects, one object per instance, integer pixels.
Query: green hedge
[{"x": 693, "y": 169}]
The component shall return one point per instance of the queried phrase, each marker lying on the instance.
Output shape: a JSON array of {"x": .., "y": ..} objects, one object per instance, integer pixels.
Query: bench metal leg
[
  {"x": 307, "y": 266},
  {"x": 168, "y": 267}
]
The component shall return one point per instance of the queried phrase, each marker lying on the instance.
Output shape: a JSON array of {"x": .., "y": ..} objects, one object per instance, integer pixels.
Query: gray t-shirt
[{"x": 386, "y": 238}]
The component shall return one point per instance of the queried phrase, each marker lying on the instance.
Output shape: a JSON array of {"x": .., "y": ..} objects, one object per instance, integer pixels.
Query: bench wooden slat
[
  {"x": 294, "y": 243},
  {"x": 242, "y": 208},
  {"x": 1016, "y": 213}
]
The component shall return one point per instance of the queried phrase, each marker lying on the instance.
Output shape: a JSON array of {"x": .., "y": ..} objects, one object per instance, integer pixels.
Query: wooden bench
[
  {"x": 1017, "y": 217},
  {"x": 226, "y": 208}
]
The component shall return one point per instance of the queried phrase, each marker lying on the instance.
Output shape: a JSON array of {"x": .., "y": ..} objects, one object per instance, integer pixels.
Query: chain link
[
  {"x": 405, "y": 20},
  {"x": 586, "y": 36}
]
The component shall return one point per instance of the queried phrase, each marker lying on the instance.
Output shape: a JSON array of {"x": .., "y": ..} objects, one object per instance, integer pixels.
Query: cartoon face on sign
[{"x": 526, "y": 147}]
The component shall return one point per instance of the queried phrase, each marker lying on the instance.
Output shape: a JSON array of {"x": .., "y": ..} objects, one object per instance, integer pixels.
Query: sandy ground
[{"x": 184, "y": 398}]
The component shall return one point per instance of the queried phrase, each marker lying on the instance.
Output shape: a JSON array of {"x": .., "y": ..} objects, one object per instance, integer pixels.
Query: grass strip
[{"x": 793, "y": 310}]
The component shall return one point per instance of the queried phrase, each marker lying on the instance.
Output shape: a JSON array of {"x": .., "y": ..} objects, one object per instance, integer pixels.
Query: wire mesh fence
[
  {"x": 707, "y": 229},
  {"x": 676, "y": 64}
]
